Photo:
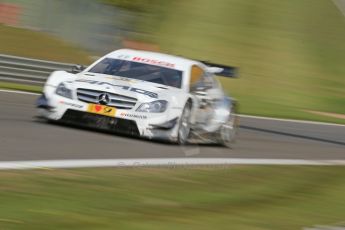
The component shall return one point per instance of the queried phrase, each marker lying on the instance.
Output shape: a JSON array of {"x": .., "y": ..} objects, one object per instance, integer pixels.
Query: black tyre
[{"x": 229, "y": 131}]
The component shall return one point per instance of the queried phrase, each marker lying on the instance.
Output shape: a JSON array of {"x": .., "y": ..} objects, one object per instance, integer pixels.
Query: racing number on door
[{"x": 102, "y": 109}]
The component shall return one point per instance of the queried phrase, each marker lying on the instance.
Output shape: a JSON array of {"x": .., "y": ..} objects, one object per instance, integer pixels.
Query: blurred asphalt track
[{"x": 23, "y": 138}]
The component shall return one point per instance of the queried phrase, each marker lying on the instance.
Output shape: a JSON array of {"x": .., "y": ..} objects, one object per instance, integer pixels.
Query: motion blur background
[{"x": 290, "y": 53}]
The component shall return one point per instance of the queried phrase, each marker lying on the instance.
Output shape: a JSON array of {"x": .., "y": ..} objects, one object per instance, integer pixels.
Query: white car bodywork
[{"x": 210, "y": 108}]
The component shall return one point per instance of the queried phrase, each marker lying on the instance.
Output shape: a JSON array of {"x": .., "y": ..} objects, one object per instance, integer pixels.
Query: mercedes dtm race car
[{"x": 145, "y": 94}]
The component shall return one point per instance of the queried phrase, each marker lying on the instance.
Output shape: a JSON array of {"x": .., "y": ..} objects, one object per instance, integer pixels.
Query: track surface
[{"x": 22, "y": 137}]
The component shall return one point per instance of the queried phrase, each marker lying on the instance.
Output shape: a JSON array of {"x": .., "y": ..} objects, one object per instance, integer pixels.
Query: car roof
[{"x": 155, "y": 58}]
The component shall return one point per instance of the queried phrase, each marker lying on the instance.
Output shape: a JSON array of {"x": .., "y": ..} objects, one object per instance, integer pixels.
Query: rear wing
[{"x": 221, "y": 70}]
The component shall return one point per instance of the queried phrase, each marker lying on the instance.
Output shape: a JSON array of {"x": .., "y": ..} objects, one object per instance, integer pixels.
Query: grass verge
[
  {"x": 251, "y": 198},
  {"x": 22, "y": 87},
  {"x": 290, "y": 53}
]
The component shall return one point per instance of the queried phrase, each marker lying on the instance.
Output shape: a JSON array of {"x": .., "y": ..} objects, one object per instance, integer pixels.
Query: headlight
[
  {"x": 153, "y": 107},
  {"x": 63, "y": 91}
]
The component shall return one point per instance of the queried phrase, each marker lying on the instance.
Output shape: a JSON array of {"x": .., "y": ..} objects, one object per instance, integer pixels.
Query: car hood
[{"x": 142, "y": 90}]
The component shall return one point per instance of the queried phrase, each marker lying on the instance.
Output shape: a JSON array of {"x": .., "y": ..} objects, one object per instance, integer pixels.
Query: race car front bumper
[
  {"x": 157, "y": 126},
  {"x": 116, "y": 125}
]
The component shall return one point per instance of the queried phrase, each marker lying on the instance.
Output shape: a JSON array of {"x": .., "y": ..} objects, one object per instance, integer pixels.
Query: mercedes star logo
[{"x": 103, "y": 99}]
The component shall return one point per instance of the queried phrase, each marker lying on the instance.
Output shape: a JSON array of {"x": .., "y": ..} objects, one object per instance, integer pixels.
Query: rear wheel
[
  {"x": 184, "y": 125},
  {"x": 229, "y": 130}
]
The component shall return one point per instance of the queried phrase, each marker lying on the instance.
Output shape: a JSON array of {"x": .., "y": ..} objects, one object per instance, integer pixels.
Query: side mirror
[{"x": 78, "y": 68}]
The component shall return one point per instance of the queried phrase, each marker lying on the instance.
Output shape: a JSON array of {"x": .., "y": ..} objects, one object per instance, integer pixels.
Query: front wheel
[{"x": 184, "y": 125}]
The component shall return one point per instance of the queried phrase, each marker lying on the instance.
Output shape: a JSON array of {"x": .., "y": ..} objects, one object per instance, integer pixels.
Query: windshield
[{"x": 140, "y": 71}]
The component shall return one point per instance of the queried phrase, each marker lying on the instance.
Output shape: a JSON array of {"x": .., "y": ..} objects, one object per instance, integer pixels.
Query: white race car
[{"x": 145, "y": 94}]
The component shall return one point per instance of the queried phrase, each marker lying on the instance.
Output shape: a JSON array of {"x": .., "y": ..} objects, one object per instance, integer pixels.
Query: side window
[{"x": 196, "y": 75}]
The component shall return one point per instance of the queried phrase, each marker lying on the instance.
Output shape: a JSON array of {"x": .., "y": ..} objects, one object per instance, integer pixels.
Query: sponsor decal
[
  {"x": 71, "y": 104},
  {"x": 124, "y": 87},
  {"x": 154, "y": 62},
  {"x": 130, "y": 115},
  {"x": 101, "y": 109}
]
